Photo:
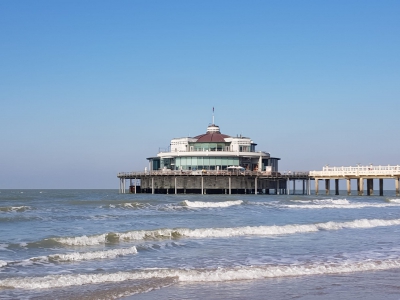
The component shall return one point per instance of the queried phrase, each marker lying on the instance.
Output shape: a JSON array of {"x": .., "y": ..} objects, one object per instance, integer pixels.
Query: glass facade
[
  {"x": 209, "y": 146},
  {"x": 205, "y": 163}
]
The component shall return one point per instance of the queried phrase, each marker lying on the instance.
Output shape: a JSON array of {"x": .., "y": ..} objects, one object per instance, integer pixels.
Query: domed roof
[{"x": 212, "y": 135}]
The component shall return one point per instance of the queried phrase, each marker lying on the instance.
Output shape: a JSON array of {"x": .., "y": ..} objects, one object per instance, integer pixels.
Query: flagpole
[{"x": 213, "y": 117}]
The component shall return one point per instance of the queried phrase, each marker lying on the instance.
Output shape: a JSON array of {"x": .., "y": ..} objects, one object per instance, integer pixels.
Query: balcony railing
[
  {"x": 357, "y": 171},
  {"x": 213, "y": 172}
]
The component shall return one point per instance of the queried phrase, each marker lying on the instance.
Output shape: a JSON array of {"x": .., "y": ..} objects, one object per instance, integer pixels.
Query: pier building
[
  {"x": 212, "y": 162},
  {"x": 213, "y": 151}
]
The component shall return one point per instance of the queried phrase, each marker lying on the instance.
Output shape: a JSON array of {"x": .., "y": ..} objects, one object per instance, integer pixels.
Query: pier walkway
[{"x": 359, "y": 173}]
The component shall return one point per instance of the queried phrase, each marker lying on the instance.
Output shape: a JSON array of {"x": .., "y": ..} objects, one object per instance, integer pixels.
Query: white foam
[
  {"x": 74, "y": 256},
  {"x": 14, "y": 208},
  {"x": 225, "y": 232},
  {"x": 332, "y": 201},
  {"x": 338, "y": 203},
  {"x": 201, "y": 204},
  {"x": 77, "y": 256},
  {"x": 83, "y": 240},
  {"x": 394, "y": 200},
  {"x": 203, "y": 275}
]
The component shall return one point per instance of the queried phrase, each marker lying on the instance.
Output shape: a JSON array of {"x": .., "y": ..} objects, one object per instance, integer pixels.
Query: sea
[{"x": 99, "y": 244}]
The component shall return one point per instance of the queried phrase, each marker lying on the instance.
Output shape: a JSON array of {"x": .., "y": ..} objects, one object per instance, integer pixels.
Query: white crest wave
[
  {"x": 336, "y": 203},
  {"x": 394, "y": 200},
  {"x": 201, "y": 204},
  {"x": 74, "y": 256},
  {"x": 78, "y": 256},
  {"x": 224, "y": 232},
  {"x": 203, "y": 275},
  {"x": 21, "y": 208}
]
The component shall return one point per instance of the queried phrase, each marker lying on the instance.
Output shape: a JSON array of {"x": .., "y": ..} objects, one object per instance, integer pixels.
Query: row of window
[{"x": 206, "y": 161}]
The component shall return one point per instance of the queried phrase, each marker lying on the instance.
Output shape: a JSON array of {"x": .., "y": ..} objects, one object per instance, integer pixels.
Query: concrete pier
[
  {"x": 210, "y": 182},
  {"x": 348, "y": 180},
  {"x": 359, "y": 173},
  {"x": 228, "y": 182},
  {"x": 336, "y": 187},
  {"x": 327, "y": 186}
]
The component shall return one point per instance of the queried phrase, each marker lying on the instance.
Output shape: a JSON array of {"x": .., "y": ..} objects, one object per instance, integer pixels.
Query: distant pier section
[{"x": 359, "y": 174}]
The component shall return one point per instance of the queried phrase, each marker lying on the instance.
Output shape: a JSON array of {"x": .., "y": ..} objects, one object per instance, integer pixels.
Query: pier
[
  {"x": 358, "y": 173},
  {"x": 214, "y": 182},
  {"x": 253, "y": 182}
]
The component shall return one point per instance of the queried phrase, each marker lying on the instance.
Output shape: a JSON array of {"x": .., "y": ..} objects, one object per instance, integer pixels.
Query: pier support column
[
  {"x": 348, "y": 181},
  {"x": 294, "y": 186},
  {"x": 135, "y": 181},
  {"x": 336, "y": 186},
  {"x": 327, "y": 186},
  {"x": 176, "y": 188},
  {"x": 122, "y": 186},
  {"x": 316, "y": 186},
  {"x": 360, "y": 186},
  {"x": 202, "y": 185},
  {"x": 230, "y": 185},
  {"x": 277, "y": 188},
  {"x": 309, "y": 186},
  {"x": 304, "y": 187},
  {"x": 380, "y": 187},
  {"x": 288, "y": 186},
  {"x": 397, "y": 185},
  {"x": 152, "y": 185},
  {"x": 370, "y": 186},
  {"x": 255, "y": 186}
]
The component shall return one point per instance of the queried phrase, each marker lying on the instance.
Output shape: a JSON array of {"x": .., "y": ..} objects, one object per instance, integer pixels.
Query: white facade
[{"x": 213, "y": 151}]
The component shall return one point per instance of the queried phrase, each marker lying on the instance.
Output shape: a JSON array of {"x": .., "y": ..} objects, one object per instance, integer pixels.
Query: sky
[{"x": 92, "y": 88}]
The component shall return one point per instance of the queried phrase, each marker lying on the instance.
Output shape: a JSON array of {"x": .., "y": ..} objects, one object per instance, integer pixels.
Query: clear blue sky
[{"x": 91, "y": 88}]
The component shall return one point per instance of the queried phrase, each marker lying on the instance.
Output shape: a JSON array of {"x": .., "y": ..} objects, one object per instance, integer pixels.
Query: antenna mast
[{"x": 213, "y": 116}]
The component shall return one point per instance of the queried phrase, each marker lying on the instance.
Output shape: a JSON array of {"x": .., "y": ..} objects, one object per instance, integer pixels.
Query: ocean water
[{"x": 98, "y": 244}]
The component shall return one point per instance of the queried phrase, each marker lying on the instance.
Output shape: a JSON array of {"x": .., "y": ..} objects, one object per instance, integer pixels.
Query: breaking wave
[
  {"x": 394, "y": 200},
  {"x": 221, "y": 232},
  {"x": 14, "y": 208},
  {"x": 203, "y": 275},
  {"x": 75, "y": 256},
  {"x": 128, "y": 205},
  {"x": 335, "y": 203},
  {"x": 201, "y": 204}
]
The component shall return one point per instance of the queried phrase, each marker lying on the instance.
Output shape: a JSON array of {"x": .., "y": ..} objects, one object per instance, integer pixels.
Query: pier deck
[
  {"x": 358, "y": 173},
  {"x": 212, "y": 181},
  {"x": 223, "y": 181}
]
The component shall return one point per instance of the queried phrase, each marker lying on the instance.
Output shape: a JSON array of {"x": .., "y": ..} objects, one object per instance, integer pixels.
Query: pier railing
[
  {"x": 357, "y": 171},
  {"x": 212, "y": 172}
]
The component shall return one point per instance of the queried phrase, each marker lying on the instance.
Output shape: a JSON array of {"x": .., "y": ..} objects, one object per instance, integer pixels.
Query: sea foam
[
  {"x": 201, "y": 204},
  {"x": 335, "y": 203},
  {"x": 21, "y": 208},
  {"x": 78, "y": 256},
  {"x": 73, "y": 256},
  {"x": 223, "y": 232},
  {"x": 203, "y": 275}
]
